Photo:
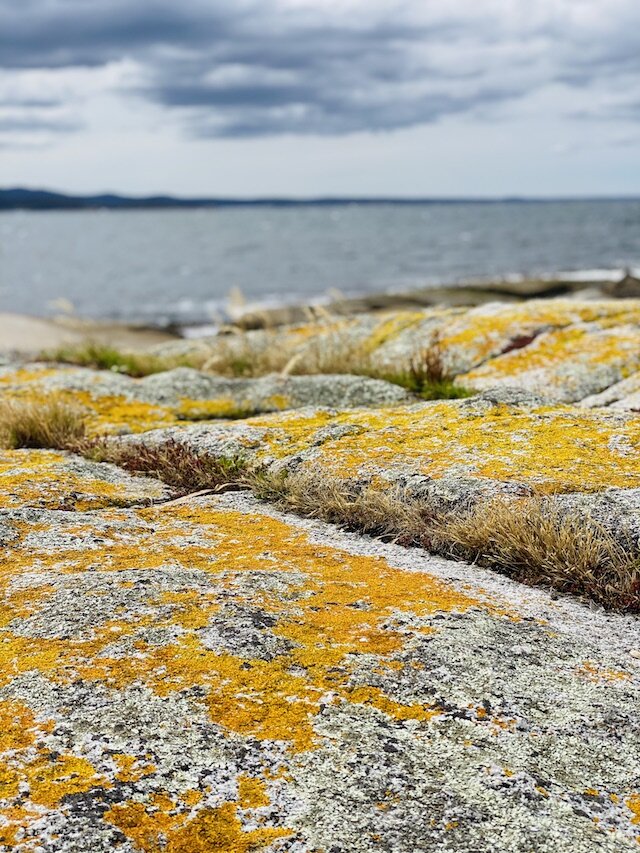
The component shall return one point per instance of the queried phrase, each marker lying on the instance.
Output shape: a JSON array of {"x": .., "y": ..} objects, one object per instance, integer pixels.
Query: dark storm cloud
[
  {"x": 258, "y": 67},
  {"x": 67, "y": 33}
]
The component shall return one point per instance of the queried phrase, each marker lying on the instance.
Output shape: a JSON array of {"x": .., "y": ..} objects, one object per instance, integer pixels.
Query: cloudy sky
[{"x": 321, "y": 97}]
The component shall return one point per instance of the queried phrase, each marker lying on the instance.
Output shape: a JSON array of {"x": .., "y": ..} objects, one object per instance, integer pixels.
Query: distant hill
[{"x": 24, "y": 199}]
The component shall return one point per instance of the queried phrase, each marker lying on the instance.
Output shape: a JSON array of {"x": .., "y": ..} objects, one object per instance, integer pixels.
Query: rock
[
  {"x": 564, "y": 349},
  {"x": 626, "y": 288},
  {"x": 187, "y": 394},
  {"x": 209, "y": 673},
  {"x": 558, "y": 449},
  {"x": 468, "y": 294},
  {"x": 46, "y": 479},
  {"x": 214, "y": 670},
  {"x": 621, "y": 395},
  {"x": 566, "y": 365}
]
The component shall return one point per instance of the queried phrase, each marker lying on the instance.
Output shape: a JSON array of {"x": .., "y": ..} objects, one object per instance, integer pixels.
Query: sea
[{"x": 195, "y": 268}]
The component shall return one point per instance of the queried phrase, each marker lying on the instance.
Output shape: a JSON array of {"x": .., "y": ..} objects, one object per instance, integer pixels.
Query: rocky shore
[{"x": 358, "y": 584}]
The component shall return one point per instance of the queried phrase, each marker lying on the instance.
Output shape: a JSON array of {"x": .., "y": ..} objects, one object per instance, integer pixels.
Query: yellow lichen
[
  {"x": 558, "y": 448},
  {"x": 633, "y": 804},
  {"x": 43, "y": 478},
  {"x": 577, "y": 344},
  {"x": 252, "y": 792},
  {"x": 481, "y": 329},
  {"x": 217, "y": 829},
  {"x": 596, "y": 674},
  {"x": 51, "y": 779}
]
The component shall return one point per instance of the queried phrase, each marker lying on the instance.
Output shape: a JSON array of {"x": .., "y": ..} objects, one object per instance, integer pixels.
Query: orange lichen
[
  {"x": 595, "y": 673},
  {"x": 131, "y": 768},
  {"x": 252, "y": 792},
  {"x": 50, "y": 780},
  {"x": 633, "y": 804},
  {"x": 217, "y": 829},
  {"x": 18, "y": 726},
  {"x": 9, "y": 782}
]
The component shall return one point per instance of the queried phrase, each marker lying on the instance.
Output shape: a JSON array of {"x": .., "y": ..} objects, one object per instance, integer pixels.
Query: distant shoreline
[{"x": 34, "y": 200}]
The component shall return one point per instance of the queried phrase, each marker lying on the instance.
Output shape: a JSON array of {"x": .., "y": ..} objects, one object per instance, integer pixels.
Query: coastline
[{"x": 22, "y": 333}]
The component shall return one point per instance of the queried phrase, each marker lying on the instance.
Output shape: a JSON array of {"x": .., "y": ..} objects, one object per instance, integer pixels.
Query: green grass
[
  {"x": 104, "y": 357},
  {"x": 428, "y": 376}
]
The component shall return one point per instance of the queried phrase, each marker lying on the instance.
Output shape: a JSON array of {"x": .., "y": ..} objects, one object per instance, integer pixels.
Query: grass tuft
[
  {"x": 103, "y": 357},
  {"x": 429, "y": 377},
  {"x": 174, "y": 463},
  {"x": 55, "y": 424},
  {"x": 527, "y": 539},
  {"x": 533, "y": 541}
]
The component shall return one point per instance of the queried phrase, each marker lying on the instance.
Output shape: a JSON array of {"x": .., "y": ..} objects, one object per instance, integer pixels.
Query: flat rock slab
[
  {"x": 212, "y": 675},
  {"x": 566, "y": 349},
  {"x": 50, "y": 480},
  {"x": 121, "y": 403},
  {"x": 488, "y": 442}
]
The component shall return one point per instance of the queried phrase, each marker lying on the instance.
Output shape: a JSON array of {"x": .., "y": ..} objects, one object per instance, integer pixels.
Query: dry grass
[
  {"x": 527, "y": 539},
  {"x": 535, "y": 542},
  {"x": 242, "y": 355},
  {"x": 333, "y": 352},
  {"x": 172, "y": 462},
  {"x": 247, "y": 356},
  {"x": 55, "y": 424},
  {"x": 387, "y": 514}
]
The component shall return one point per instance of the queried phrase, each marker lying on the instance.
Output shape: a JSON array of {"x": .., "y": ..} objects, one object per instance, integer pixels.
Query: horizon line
[{"x": 20, "y": 194}]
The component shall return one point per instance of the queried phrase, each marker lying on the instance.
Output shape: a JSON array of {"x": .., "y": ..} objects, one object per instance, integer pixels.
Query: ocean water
[{"x": 181, "y": 265}]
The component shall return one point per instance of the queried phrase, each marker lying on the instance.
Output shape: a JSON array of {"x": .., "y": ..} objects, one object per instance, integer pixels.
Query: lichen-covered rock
[
  {"x": 565, "y": 365},
  {"x": 564, "y": 348},
  {"x": 205, "y": 674},
  {"x": 211, "y": 675},
  {"x": 44, "y": 478},
  {"x": 120, "y": 402},
  {"x": 552, "y": 448},
  {"x": 621, "y": 395}
]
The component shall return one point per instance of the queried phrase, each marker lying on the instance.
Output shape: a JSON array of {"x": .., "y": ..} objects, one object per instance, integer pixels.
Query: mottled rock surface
[
  {"x": 187, "y": 394},
  {"x": 203, "y": 674},
  {"x": 213, "y": 676}
]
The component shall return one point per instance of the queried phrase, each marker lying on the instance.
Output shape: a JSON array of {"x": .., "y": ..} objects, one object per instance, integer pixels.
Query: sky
[{"x": 321, "y": 97}]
